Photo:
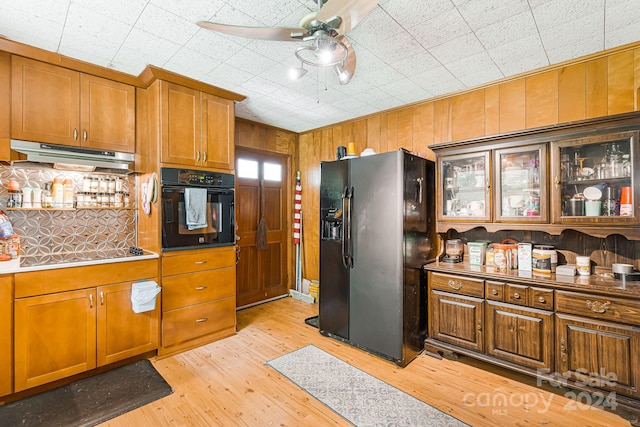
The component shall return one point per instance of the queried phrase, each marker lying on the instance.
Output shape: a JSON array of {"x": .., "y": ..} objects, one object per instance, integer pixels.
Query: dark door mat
[
  {"x": 89, "y": 401},
  {"x": 312, "y": 321}
]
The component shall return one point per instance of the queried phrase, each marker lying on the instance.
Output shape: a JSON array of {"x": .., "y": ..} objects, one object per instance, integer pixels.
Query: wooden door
[
  {"x": 521, "y": 335},
  {"x": 121, "y": 333},
  {"x": 45, "y": 102},
  {"x": 55, "y": 337},
  {"x": 181, "y": 121},
  {"x": 108, "y": 114},
  {"x": 597, "y": 353},
  {"x": 261, "y": 273},
  {"x": 217, "y": 132},
  {"x": 6, "y": 329}
]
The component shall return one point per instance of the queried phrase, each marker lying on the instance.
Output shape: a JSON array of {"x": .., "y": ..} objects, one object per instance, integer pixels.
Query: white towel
[{"x": 195, "y": 206}]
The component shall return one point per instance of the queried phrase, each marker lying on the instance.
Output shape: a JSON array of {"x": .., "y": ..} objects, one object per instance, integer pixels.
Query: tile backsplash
[{"x": 60, "y": 232}]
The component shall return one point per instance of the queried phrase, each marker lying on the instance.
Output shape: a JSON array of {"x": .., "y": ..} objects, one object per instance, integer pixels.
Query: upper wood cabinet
[
  {"x": 197, "y": 128},
  {"x": 60, "y": 106}
]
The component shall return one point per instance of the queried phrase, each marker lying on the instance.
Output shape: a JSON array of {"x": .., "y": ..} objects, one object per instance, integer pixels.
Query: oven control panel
[{"x": 191, "y": 177}]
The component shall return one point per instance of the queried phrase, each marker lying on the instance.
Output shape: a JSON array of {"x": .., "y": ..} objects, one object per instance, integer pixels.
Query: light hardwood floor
[{"x": 227, "y": 383}]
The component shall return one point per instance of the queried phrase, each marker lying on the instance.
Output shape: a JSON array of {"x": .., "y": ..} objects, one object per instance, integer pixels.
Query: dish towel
[{"x": 195, "y": 204}]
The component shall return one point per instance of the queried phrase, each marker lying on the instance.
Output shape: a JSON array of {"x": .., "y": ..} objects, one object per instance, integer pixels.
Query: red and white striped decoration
[{"x": 297, "y": 213}]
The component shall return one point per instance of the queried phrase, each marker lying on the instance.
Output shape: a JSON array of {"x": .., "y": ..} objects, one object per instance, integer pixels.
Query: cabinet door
[
  {"x": 108, "y": 114},
  {"x": 600, "y": 354},
  {"x": 464, "y": 188},
  {"x": 121, "y": 332},
  {"x": 520, "y": 335},
  {"x": 55, "y": 337},
  {"x": 6, "y": 328},
  {"x": 217, "y": 132},
  {"x": 181, "y": 119},
  {"x": 521, "y": 184},
  {"x": 589, "y": 176},
  {"x": 456, "y": 319},
  {"x": 45, "y": 102}
]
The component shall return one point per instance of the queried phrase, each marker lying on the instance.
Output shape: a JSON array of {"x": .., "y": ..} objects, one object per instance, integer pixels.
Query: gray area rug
[{"x": 355, "y": 395}]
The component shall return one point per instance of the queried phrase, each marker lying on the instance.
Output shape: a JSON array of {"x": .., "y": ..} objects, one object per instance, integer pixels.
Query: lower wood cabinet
[
  {"x": 520, "y": 335},
  {"x": 199, "y": 301},
  {"x": 65, "y": 333},
  {"x": 456, "y": 319},
  {"x": 6, "y": 329}
]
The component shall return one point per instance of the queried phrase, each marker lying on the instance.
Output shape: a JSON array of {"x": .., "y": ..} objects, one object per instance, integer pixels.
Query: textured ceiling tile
[
  {"x": 448, "y": 26},
  {"x": 75, "y": 41},
  {"x": 519, "y": 56},
  {"x": 54, "y": 11},
  {"x": 475, "y": 70},
  {"x": 126, "y": 11},
  {"x": 415, "y": 64},
  {"x": 133, "y": 61},
  {"x": 83, "y": 22},
  {"x": 192, "y": 64},
  {"x": 621, "y": 25},
  {"x": 437, "y": 81},
  {"x": 456, "y": 49},
  {"x": 191, "y": 10},
  {"x": 213, "y": 44},
  {"x": 270, "y": 12},
  {"x": 153, "y": 49},
  {"x": 510, "y": 29},
  {"x": 155, "y": 20},
  {"x": 574, "y": 33},
  {"x": 276, "y": 50},
  {"x": 93, "y": 57},
  {"x": 260, "y": 85},
  {"x": 35, "y": 31},
  {"x": 226, "y": 74},
  {"x": 380, "y": 76},
  {"x": 558, "y": 12},
  {"x": 411, "y": 13},
  {"x": 250, "y": 61},
  {"x": 479, "y": 14},
  {"x": 583, "y": 46}
]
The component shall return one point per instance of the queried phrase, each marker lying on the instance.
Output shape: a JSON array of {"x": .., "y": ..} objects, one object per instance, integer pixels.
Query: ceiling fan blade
[
  {"x": 349, "y": 66},
  {"x": 260, "y": 33},
  {"x": 351, "y": 12}
]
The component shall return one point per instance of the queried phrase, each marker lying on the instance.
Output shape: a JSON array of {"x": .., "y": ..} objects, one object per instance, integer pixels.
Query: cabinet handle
[
  {"x": 480, "y": 325},
  {"x": 542, "y": 300},
  {"x": 494, "y": 292},
  {"x": 204, "y": 156},
  {"x": 597, "y": 306},
  {"x": 453, "y": 284},
  {"x": 201, "y": 262},
  {"x": 197, "y": 156},
  {"x": 202, "y": 319},
  {"x": 101, "y": 298},
  {"x": 90, "y": 300},
  {"x": 200, "y": 288},
  {"x": 75, "y": 134},
  {"x": 563, "y": 350},
  {"x": 556, "y": 181},
  {"x": 517, "y": 296}
]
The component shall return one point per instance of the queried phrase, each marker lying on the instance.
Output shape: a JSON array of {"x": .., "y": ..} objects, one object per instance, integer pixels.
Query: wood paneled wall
[
  {"x": 255, "y": 136},
  {"x": 5, "y": 104},
  {"x": 593, "y": 86}
]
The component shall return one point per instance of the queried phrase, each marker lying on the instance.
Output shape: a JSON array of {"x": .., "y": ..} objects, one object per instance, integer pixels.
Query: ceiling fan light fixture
[{"x": 343, "y": 75}]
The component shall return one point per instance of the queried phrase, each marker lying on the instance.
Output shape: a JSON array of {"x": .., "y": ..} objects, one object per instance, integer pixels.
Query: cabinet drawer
[
  {"x": 197, "y": 321},
  {"x": 516, "y": 294},
  {"x": 457, "y": 284},
  {"x": 541, "y": 298},
  {"x": 198, "y": 260},
  {"x": 495, "y": 291},
  {"x": 188, "y": 289},
  {"x": 600, "y": 307}
]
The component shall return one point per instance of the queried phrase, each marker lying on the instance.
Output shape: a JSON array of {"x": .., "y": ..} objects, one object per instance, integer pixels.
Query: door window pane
[
  {"x": 272, "y": 172},
  {"x": 247, "y": 169}
]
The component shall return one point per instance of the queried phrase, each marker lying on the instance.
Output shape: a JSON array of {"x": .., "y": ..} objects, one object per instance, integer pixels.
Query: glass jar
[
  {"x": 111, "y": 185},
  {"x": 86, "y": 184},
  {"x": 119, "y": 199},
  {"x": 94, "y": 184},
  {"x": 102, "y": 185},
  {"x": 118, "y": 184}
]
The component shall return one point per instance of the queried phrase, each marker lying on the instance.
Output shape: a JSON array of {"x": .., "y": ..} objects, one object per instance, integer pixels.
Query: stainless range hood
[{"x": 67, "y": 157}]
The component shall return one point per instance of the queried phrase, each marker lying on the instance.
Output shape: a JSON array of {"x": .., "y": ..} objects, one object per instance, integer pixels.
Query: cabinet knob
[
  {"x": 200, "y": 288},
  {"x": 494, "y": 292},
  {"x": 542, "y": 300},
  {"x": 201, "y": 262},
  {"x": 454, "y": 284},
  {"x": 517, "y": 296},
  {"x": 479, "y": 324},
  {"x": 75, "y": 134},
  {"x": 202, "y": 319},
  {"x": 90, "y": 300},
  {"x": 101, "y": 298},
  {"x": 556, "y": 181}
]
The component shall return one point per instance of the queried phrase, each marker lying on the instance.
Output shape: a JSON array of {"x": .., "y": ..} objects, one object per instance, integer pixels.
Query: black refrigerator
[{"x": 377, "y": 229}]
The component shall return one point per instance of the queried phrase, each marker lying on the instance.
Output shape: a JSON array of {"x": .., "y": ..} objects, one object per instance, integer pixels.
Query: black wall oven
[{"x": 216, "y": 225}]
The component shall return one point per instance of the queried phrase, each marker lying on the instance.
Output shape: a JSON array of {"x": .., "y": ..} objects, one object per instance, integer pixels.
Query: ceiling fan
[{"x": 324, "y": 29}]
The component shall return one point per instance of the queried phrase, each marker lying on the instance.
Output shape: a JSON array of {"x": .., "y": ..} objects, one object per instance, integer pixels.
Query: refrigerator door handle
[
  {"x": 349, "y": 242},
  {"x": 344, "y": 225}
]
